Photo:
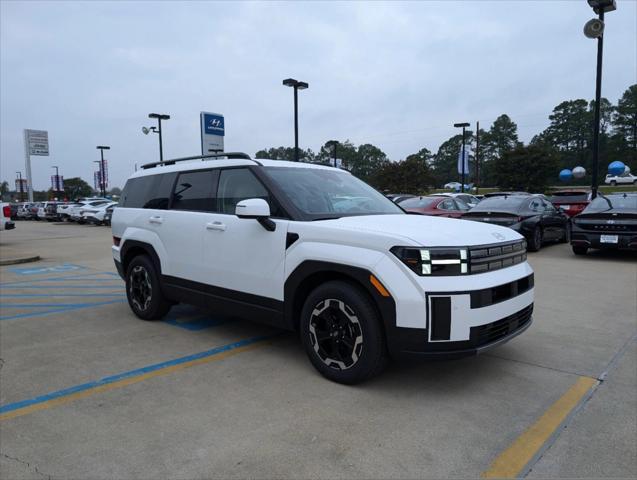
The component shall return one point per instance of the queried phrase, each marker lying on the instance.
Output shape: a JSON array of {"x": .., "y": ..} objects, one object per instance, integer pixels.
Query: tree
[
  {"x": 411, "y": 175},
  {"x": 285, "y": 153},
  {"x": 445, "y": 162},
  {"x": 76, "y": 187},
  {"x": 528, "y": 169},
  {"x": 625, "y": 116},
  {"x": 502, "y": 137},
  {"x": 4, "y": 188},
  {"x": 115, "y": 191},
  {"x": 368, "y": 159},
  {"x": 346, "y": 151}
]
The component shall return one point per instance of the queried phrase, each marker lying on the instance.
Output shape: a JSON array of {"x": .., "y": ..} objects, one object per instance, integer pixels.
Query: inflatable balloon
[
  {"x": 616, "y": 168},
  {"x": 566, "y": 175},
  {"x": 579, "y": 172}
]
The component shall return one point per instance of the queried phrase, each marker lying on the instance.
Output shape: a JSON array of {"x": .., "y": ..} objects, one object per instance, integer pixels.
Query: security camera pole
[
  {"x": 463, "y": 125},
  {"x": 101, "y": 148},
  {"x": 599, "y": 7},
  {"x": 297, "y": 85},
  {"x": 159, "y": 117}
]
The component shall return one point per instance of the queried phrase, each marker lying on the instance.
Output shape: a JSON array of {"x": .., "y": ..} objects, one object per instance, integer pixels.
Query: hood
[{"x": 427, "y": 230}]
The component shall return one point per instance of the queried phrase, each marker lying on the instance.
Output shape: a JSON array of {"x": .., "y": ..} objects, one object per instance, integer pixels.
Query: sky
[{"x": 397, "y": 75}]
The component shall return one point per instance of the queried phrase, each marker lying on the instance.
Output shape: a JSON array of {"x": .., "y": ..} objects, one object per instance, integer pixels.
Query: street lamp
[
  {"x": 21, "y": 189},
  {"x": 463, "y": 125},
  {"x": 297, "y": 85},
  {"x": 595, "y": 29},
  {"x": 101, "y": 148},
  {"x": 146, "y": 130}
]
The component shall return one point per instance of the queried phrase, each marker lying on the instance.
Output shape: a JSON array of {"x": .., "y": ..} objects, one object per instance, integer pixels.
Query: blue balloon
[
  {"x": 616, "y": 168},
  {"x": 566, "y": 175}
]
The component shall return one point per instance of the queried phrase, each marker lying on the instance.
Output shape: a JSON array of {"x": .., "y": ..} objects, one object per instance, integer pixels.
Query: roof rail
[{"x": 231, "y": 155}]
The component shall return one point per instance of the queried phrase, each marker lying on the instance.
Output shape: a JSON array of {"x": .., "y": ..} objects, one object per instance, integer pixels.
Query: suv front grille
[
  {"x": 492, "y": 332},
  {"x": 497, "y": 256}
]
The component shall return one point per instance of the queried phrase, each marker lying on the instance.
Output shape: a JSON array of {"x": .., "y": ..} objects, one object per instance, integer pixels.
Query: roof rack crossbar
[{"x": 229, "y": 155}]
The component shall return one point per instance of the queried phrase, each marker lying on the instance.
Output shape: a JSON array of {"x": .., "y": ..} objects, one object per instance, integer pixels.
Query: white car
[
  {"x": 470, "y": 200},
  {"x": 625, "y": 178},
  {"x": 273, "y": 241},
  {"x": 5, "y": 217},
  {"x": 74, "y": 212},
  {"x": 64, "y": 211},
  {"x": 95, "y": 215}
]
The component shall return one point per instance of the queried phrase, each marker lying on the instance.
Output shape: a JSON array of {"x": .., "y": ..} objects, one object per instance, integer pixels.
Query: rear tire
[
  {"x": 613, "y": 183},
  {"x": 342, "y": 334},
  {"x": 143, "y": 289},
  {"x": 577, "y": 250},
  {"x": 567, "y": 235},
  {"x": 535, "y": 242}
]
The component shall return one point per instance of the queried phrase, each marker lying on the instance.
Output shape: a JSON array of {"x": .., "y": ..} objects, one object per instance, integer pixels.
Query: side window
[
  {"x": 548, "y": 207},
  {"x": 238, "y": 184},
  {"x": 152, "y": 191},
  {"x": 535, "y": 206},
  {"x": 447, "y": 205},
  {"x": 462, "y": 205},
  {"x": 196, "y": 191}
]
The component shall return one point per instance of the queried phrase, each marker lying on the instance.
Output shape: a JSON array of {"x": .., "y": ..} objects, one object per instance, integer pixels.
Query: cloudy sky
[{"x": 397, "y": 75}]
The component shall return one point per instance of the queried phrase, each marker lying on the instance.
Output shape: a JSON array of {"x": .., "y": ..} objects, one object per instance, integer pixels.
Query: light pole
[
  {"x": 297, "y": 85},
  {"x": 57, "y": 179},
  {"x": 21, "y": 189},
  {"x": 101, "y": 148},
  {"x": 159, "y": 117},
  {"x": 595, "y": 29},
  {"x": 463, "y": 125}
]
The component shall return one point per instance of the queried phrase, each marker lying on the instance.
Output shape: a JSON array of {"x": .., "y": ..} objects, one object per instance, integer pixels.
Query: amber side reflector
[
  {"x": 116, "y": 241},
  {"x": 379, "y": 286}
]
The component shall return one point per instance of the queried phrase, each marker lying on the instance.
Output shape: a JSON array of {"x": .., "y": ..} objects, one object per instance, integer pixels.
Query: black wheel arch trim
[{"x": 136, "y": 245}]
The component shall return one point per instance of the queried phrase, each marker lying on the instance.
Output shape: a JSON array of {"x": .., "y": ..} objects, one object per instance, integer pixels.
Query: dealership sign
[
  {"x": 38, "y": 142},
  {"x": 213, "y": 129}
]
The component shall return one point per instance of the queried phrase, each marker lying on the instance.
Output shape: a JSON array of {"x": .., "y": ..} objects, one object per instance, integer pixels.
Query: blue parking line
[
  {"x": 197, "y": 324},
  {"x": 131, "y": 373},
  {"x": 46, "y": 305},
  {"x": 35, "y": 295},
  {"x": 59, "y": 310},
  {"x": 82, "y": 276},
  {"x": 61, "y": 286}
]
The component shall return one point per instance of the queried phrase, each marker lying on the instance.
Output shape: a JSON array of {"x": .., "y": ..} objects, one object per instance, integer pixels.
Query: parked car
[
  {"x": 24, "y": 210},
  {"x": 95, "y": 215},
  {"x": 74, "y": 212},
  {"x": 33, "y": 211},
  {"x": 5, "y": 217},
  {"x": 609, "y": 221},
  {"x": 399, "y": 197},
  {"x": 502, "y": 194},
  {"x": 470, "y": 200},
  {"x": 571, "y": 201},
  {"x": 531, "y": 215},
  {"x": 625, "y": 178},
  {"x": 64, "y": 211},
  {"x": 108, "y": 215},
  {"x": 48, "y": 211},
  {"x": 263, "y": 240},
  {"x": 436, "y": 206}
]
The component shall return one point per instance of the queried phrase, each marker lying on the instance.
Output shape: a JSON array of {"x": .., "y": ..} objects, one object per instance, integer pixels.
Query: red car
[
  {"x": 436, "y": 206},
  {"x": 571, "y": 202}
]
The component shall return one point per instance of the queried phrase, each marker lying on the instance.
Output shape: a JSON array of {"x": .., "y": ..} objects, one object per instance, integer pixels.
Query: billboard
[
  {"x": 38, "y": 142},
  {"x": 213, "y": 129}
]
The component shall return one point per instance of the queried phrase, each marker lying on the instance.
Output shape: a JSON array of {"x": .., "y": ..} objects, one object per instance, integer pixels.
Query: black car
[
  {"x": 609, "y": 221},
  {"x": 399, "y": 197},
  {"x": 530, "y": 215}
]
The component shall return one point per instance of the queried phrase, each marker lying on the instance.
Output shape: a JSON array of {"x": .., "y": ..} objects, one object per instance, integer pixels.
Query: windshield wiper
[{"x": 325, "y": 218}]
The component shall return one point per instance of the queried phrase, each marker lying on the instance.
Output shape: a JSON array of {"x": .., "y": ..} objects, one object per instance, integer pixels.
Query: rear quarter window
[{"x": 152, "y": 191}]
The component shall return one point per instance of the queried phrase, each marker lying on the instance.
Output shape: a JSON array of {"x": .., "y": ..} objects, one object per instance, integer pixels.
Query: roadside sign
[
  {"x": 467, "y": 153},
  {"x": 38, "y": 141},
  {"x": 213, "y": 129}
]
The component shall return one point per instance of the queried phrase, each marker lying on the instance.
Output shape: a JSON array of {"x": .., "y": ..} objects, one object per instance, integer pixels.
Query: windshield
[
  {"x": 612, "y": 202},
  {"x": 422, "y": 202},
  {"x": 508, "y": 203},
  {"x": 322, "y": 193}
]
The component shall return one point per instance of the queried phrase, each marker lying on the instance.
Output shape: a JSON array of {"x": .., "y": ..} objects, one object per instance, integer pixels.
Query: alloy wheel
[{"x": 141, "y": 290}]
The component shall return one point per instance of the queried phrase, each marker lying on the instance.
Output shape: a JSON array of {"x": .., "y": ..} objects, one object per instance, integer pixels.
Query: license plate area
[{"x": 608, "y": 238}]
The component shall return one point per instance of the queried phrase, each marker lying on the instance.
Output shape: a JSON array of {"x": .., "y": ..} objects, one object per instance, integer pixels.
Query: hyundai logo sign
[
  {"x": 214, "y": 124},
  {"x": 213, "y": 129}
]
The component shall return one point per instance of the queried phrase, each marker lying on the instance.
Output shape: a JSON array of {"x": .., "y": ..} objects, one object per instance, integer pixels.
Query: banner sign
[
  {"x": 38, "y": 142},
  {"x": 21, "y": 183},
  {"x": 57, "y": 183},
  {"x": 467, "y": 153},
  {"x": 213, "y": 129}
]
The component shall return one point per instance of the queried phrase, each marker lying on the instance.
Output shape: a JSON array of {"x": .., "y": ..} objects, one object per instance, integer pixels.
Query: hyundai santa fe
[{"x": 313, "y": 249}]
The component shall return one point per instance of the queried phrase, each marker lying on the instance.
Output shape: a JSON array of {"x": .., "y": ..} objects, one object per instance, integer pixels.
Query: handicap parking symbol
[{"x": 67, "y": 267}]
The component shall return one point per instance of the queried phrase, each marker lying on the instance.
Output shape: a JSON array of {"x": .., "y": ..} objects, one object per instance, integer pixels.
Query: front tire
[
  {"x": 342, "y": 334},
  {"x": 535, "y": 242},
  {"x": 613, "y": 183},
  {"x": 143, "y": 290}
]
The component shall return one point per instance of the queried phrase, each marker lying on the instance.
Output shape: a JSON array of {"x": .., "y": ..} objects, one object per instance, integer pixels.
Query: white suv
[{"x": 313, "y": 249}]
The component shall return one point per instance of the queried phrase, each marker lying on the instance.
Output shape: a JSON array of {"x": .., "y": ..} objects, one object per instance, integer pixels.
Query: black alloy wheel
[
  {"x": 143, "y": 290},
  {"x": 535, "y": 242}
]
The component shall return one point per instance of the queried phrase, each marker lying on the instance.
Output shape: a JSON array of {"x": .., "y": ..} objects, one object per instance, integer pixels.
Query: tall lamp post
[
  {"x": 146, "y": 130},
  {"x": 463, "y": 125},
  {"x": 57, "y": 179},
  {"x": 101, "y": 148},
  {"x": 297, "y": 85},
  {"x": 21, "y": 189},
  {"x": 595, "y": 29}
]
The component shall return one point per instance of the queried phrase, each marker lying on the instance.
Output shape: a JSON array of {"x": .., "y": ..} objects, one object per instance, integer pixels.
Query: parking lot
[{"x": 90, "y": 391}]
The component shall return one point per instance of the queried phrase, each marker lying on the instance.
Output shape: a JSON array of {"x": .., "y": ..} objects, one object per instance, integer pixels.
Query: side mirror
[{"x": 257, "y": 209}]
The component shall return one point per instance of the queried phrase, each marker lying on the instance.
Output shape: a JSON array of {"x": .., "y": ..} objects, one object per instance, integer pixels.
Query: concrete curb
[{"x": 16, "y": 261}]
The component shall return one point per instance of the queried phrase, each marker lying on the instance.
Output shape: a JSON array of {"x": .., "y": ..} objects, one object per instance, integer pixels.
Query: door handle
[
  {"x": 216, "y": 226},
  {"x": 157, "y": 220}
]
